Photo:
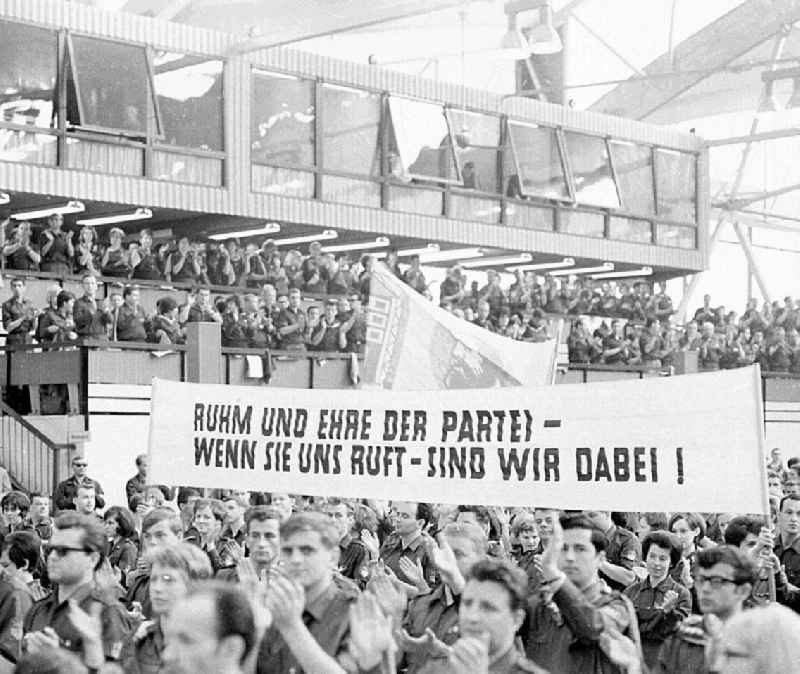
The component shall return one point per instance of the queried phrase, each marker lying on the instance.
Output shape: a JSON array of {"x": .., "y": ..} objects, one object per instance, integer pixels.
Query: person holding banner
[{"x": 787, "y": 544}]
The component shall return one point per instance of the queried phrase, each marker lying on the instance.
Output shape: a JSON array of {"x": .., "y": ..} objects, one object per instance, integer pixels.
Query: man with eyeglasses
[
  {"x": 724, "y": 580},
  {"x": 74, "y": 553},
  {"x": 66, "y": 491}
]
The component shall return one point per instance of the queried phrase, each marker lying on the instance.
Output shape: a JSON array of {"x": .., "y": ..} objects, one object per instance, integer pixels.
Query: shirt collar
[
  {"x": 318, "y": 606},
  {"x": 413, "y": 543}
]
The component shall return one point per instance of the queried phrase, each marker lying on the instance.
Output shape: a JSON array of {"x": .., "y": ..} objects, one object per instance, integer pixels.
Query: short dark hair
[
  {"x": 158, "y": 515},
  {"x": 788, "y": 497},
  {"x": 23, "y": 546},
  {"x": 694, "y": 520},
  {"x": 744, "y": 569},
  {"x": 128, "y": 290},
  {"x": 18, "y": 499},
  {"x": 63, "y": 297},
  {"x": 191, "y": 560},
  {"x": 126, "y": 525},
  {"x": 740, "y": 526},
  {"x": 665, "y": 541},
  {"x": 424, "y": 513},
  {"x": 260, "y": 514},
  {"x": 657, "y": 521},
  {"x": 311, "y": 521},
  {"x": 481, "y": 513},
  {"x": 93, "y": 539},
  {"x": 364, "y": 517},
  {"x": 791, "y": 463},
  {"x": 216, "y": 507},
  {"x": 504, "y": 573},
  {"x": 580, "y": 521},
  {"x": 233, "y": 611}
]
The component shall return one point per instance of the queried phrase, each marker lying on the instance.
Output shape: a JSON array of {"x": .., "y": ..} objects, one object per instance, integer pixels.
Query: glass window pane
[
  {"x": 350, "y": 127},
  {"x": 633, "y": 165},
  {"x": 676, "y": 184},
  {"x": 25, "y": 146},
  {"x": 282, "y": 181},
  {"x": 104, "y": 157},
  {"x": 415, "y": 200},
  {"x": 349, "y": 191},
  {"x": 540, "y": 172},
  {"x": 477, "y": 148},
  {"x": 629, "y": 229},
  {"x": 189, "y": 90},
  {"x": 185, "y": 168},
  {"x": 27, "y": 74},
  {"x": 676, "y": 236},
  {"x": 282, "y": 123},
  {"x": 529, "y": 217},
  {"x": 581, "y": 222},
  {"x": 421, "y": 146},
  {"x": 463, "y": 207},
  {"x": 113, "y": 85},
  {"x": 588, "y": 158}
]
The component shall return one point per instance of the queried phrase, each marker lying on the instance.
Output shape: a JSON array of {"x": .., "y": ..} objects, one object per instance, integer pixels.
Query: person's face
[
  {"x": 159, "y": 535},
  {"x": 544, "y": 522},
  {"x": 600, "y": 518},
  {"x": 341, "y": 518},
  {"x": 84, "y": 501},
  {"x": 284, "y": 505},
  {"x": 404, "y": 517},
  {"x": 12, "y": 514},
  {"x": 40, "y": 506},
  {"x": 306, "y": 559},
  {"x": 116, "y": 300},
  {"x": 67, "y": 559},
  {"x": 775, "y": 484},
  {"x": 79, "y": 467},
  {"x": 485, "y": 609},
  {"x": 142, "y": 465},
  {"x": 686, "y": 535},
  {"x": 154, "y": 497},
  {"x": 717, "y": 594},
  {"x": 167, "y": 586},
  {"x": 204, "y": 521},
  {"x": 183, "y": 245},
  {"x": 313, "y": 314},
  {"x": 750, "y": 541},
  {"x": 579, "y": 560},
  {"x": 789, "y": 519},
  {"x": 6, "y": 563},
  {"x": 465, "y": 553},
  {"x": 110, "y": 526},
  {"x": 722, "y": 522},
  {"x": 133, "y": 297},
  {"x": 233, "y": 512},
  {"x": 204, "y": 298},
  {"x": 145, "y": 240},
  {"x": 294, "y": 300},
  {"x": 657, "y": 563},
  {"x": 469, "y": 517},
  {"x": 90, "y": 285},
  {"x": 55, "y": 221},
  {"x": 776, "y": 455},
  {"x": 528, "y": 539},
  {"x": 18, "y": 288},
  {"x": 792, "y": 486},
  {"x": 263, "y": 541},
  {"x": 191, "y": 645},
  {"x": 330, "y": 312},
  {"x": 116, "y": 239}
]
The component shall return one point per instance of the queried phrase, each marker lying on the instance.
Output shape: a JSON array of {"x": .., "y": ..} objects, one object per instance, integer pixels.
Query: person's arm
[
  {"x": 60, "y": 499},
  {"x": 619, "y": 574},
  {"x": 168, "y": 268},
  {"x": 99, "y": 496},
  {"x": 179, "y": 264},
  {"x": 48, "y": 242},
  {"x": 70, "y": 247}
]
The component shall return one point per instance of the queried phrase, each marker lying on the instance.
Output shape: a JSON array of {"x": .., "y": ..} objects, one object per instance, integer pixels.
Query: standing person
[
  {"x": 144, "y": 261},
  {"x": 39, "y": 516},
  {"x": 408, "y": 541},
  {"x": 56, "y": 247},
  {"x": 291, "y": 323},
  {"x": 19, "y": 252},
  {"x": 137, "y": 485},
  {"x": 74, "y": 554},
  {"x": 724, "y": 580},
  {"x": 19, "y": 315},
  {"x": 575, "y": 608},
  {"x": 115, "y": 260},
  {"x": 623, "y": 551},
  {"x": 91, "y": 321},
  {"x": 233, "y": 528},
  {"x": 66, "y": 491},
  {"x": 129, "y": 325},
  {"x": 659, "y": 601},
  {"x": 353, "y": 554},
  {"x": 182, "y": 265},
  {"x": 120, "y": 530},
  {"x": 86, "y": 253},
  {"x": 59, "y": 325},
  {"x": 262, "y": 540},
  {"x": 206, "y": 524},
  {"x": 787, "y": 543},
  {"x": 202, "y": 309},
  {"x": 174, "y": 572}
]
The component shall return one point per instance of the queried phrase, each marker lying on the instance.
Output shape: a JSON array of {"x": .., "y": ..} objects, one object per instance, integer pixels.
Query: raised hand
[
  {"x": 552, "y": 552},
  {"x": 426, "y": 643},
  {"x": 392, "y": 601},
  {"x": 470, "y": 654},
  {"x": 370, "y": 632},
  {"x": 285, "y": 600},
  {"x": 445, "y": 561},
  {"x": 413, "y": 571},
  {"x": 621, "y": 650},
  {"x": 371, "y": 542}
]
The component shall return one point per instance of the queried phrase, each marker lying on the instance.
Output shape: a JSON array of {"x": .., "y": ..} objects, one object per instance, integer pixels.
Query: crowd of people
[{"x": 223, "y": 582}]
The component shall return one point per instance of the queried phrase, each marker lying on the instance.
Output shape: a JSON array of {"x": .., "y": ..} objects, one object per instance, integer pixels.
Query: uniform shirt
[
  {"x": 623, "y": 549},
  {"x": 50, "y": 612},
  {"x": 654, "y": 624},
  {"x": 136, "y": 485},
  {"x": 513, "y": 662},
  {"x": 13, "y": 310},
  {"x": 130, "y": 324},
  {"x": 685, "y": 651},
  {"x": 790, "y": 558},
  {"x": 142, "y": 652},
  {"x": 415, "y": 550},
  {"x": 328, "y": 620},
  {"x": 437, "y": 610},
  {"x": 564, "y": 631},
  {"x": 89, "y": 322},
  {"x": 287, "y": 317},
  {"x": 67, "y": 490},
  {"x": 353, "y": 559}
]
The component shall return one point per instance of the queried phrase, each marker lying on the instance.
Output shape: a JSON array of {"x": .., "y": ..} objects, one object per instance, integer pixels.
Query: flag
[{"x": 414, "y": 345}]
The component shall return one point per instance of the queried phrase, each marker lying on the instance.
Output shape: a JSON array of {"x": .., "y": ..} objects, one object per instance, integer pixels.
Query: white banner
[
  {"x": 414, "y": 345},
  {"x": 691, "y": 442}
]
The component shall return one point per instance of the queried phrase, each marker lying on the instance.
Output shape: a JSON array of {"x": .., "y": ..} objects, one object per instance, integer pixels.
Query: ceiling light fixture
[
  {"x": 644, "y": 271},
  {"x": 325, "y": 235},
  {"x": 268, "y": 228},
  {"x": 408, "y": 252},
  {"x": 69, "y": 207},
  {"x": 599, "y": 269},
  {"x": 566, "y": 262},
  {"x": 380, "y": 242},
  {"x": 497, "y": 260},
  {"x": 138, "y": 214}
]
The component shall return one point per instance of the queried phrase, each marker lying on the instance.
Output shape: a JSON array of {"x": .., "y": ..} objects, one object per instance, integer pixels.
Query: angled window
[
  {"x": 282, "y": 120},
  {"x": 633, "y": 166},
  {"x": 538, "y": 163},
  {"x": 676, "y": 185},
  {"x": 477, "y": 148},
  {"x": 591, "y": 170},
  {"x": 28, "y": 69},
  {"x": 110, "y": 87},
  {"x": 351, "y": 120},
  {"x": 189, "y": 94},
  {"x": 420, "y": 146}
]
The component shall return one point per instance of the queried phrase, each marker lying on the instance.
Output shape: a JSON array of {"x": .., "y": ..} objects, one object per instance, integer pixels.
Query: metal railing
[{"x": 34, "y": 462}]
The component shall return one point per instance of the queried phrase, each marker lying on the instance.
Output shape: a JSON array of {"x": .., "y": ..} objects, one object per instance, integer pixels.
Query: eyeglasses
[
  {"x": 716, "y": 582},
  {"x": 62, "y": 550}
]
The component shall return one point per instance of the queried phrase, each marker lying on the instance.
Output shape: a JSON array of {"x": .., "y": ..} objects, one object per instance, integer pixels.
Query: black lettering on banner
[
  {"x": 405, "y": 425},
  {"x": 543, "y": 464},
  {"x": 462, "y": 462},
  {"x": 320, "y": 458},
  {"x": 277, "y": 456},
  {"x": 513, "y": 462},
  {"x": 225, "y": 452},
  {"x": 449, "y": 422},
  {"x": 626, "y": 464},
  {"x": 284, "y": 421},
  {"x": 224, "y": 419},
  {"x": 639, "y": 464},
  {"x": 378, "y": 460},
  {"x": 483, "y": 427},
  {"x": 622, "y": 471},
  {"x": 583, "y": 464}
]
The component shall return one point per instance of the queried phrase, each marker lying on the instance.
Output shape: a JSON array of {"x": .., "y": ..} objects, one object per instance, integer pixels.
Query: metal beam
[
  {"x": 755, "y": 137},
  {"x": 625, "y": 61},
  {"x": 737, "y": 203},
  {"x": 717, "y": 45},
  {"x": 755, "y": 269}
]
